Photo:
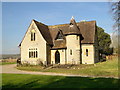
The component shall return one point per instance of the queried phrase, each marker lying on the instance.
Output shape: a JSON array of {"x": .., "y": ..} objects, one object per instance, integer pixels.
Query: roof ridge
[
  {"x": 39, "y": 22},
  {"x": 68, "y": 23},
  {"x": 60, "y": 24},
  {"x": 57, "y": 25}
]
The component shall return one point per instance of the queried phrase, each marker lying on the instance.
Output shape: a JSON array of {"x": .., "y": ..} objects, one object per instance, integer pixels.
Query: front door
[{"x": 57, "y": 57}]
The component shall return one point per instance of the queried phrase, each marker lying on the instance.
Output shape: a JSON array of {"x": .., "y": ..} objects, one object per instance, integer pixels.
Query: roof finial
[{"x": 72, "y": 17}]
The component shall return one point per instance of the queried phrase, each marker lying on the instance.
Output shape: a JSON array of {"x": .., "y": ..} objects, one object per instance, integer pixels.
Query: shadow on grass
[
  {"x": 67, "y": 82},
  {"x": 84, "y": 82}
]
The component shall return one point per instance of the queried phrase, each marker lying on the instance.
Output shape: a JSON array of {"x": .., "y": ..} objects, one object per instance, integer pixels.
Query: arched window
[
  {"x": 86, "y": 52},
  {"x": 33, "y": 35},
  {"x": 71, "y": 23},
  {"x": 60, "y": 36},
  {"x": 70, "y": 52},
  {"x": 77, "y": 37}
]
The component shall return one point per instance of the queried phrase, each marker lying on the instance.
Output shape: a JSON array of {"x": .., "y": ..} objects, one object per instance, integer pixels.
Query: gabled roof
[
  {"x": 59, "y": 35},
  {"x": 73, "y": 28},
  {"x": 59, "y": 43},
  {"x": 45, "y": 32},
  {"x": 87, "y": 29}
]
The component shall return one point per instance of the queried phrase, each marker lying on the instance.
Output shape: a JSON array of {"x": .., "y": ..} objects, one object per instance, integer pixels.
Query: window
[
  {"x": 33, "y": 53},
  {"x": 77, "y": 37},
  {"x": 32, "y": 35},
  {"x": 71, "y": 23},
  {"x": 86, "y": 52},
  {"x": 70, "y": 52},
  {"x": 36, "y": 53},
  {"x": 59, "y": 36}
]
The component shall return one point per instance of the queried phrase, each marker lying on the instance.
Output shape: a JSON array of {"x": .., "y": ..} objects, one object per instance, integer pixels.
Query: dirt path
[{"x": 11, "y": 69}]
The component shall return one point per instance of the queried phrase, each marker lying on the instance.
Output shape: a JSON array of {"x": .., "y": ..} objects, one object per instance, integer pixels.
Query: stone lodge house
[{"x": 73, "y": 43}]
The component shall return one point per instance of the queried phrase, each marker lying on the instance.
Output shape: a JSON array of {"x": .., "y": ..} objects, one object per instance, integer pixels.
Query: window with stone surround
[
  {"x": 86, "y": 52},
  {"x": 70, "y": 51},
  {"x": 77, "y": 37},
  {"x": 33, "y": 53},
  {"x": 33, "y": 35},
  {"x": 59, "y": 36}
]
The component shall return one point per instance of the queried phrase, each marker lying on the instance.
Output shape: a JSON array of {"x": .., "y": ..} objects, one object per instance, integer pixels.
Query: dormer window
[
  {"x": 71, "y": 24},
  {"x": 32, "y": 35},
  {"x": 59, "y": 36}
]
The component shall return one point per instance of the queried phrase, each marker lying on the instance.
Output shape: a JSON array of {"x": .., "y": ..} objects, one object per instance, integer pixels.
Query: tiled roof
[
  {"x": 45, "y": 32},
  {"x": 86, "y": 29}
]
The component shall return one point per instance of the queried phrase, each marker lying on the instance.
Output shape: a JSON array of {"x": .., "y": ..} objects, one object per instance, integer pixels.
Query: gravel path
[{"x": 11, "y": 69}]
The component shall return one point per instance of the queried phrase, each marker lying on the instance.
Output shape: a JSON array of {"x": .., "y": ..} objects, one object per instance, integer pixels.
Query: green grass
[
  {"x": 44, "y": 81},
  {"x": 108, "y": 68},
  {"x": 4, "y": 63}
]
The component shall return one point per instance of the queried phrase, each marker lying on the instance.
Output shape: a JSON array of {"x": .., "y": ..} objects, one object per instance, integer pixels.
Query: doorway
[{"x": 57, "y": 57}]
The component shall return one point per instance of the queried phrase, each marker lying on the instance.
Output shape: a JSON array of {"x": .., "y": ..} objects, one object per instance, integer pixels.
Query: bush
[{"x": 39, "y": 62}]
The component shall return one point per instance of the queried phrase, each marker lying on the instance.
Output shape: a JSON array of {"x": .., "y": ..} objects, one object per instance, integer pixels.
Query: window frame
[
  {"x": 87, "y": 52},
  {"x": 70, "y": 51},
  {"x": 77, "y": 37},
  {"x": 33, "y": 52},
  {"x": 59, "y": 36},
  {"x": 33, "y": 35}
]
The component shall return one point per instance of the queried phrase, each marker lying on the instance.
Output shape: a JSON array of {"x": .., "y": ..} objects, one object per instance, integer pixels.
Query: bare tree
[
  {"x": 116, "y": 14},
  {"x": 115, "y": 8}
]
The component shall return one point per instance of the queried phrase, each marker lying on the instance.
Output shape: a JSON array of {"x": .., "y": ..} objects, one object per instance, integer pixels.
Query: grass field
[
  {"x": 108, "y": 68},
  {"x": 42, "y": 81},
  {"x": 4, "y": 63},
  {"x": 8, "y": 61}
]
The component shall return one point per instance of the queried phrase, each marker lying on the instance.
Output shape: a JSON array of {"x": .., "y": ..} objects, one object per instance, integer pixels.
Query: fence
[
  {"x": 110, "y": 57},
  {"x": 9, "y": 60}
]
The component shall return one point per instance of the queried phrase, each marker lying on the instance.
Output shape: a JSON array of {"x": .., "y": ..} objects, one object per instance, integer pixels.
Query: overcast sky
[{"x": 16, "y": 18}]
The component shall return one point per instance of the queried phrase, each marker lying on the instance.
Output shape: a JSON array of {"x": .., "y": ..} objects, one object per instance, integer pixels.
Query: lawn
[
  {"x": 108, "y": 68},
  {"x": 43, "y": 81}
]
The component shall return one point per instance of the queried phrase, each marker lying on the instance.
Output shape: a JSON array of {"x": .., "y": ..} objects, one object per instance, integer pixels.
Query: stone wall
[
  {"x": 90, "y": 58},
  {"x": 39, "y": 43},
  {"x": 62, "y": 56},
  {"x": 73, "y": 49},
  {"x": 48, "y": 54}
]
